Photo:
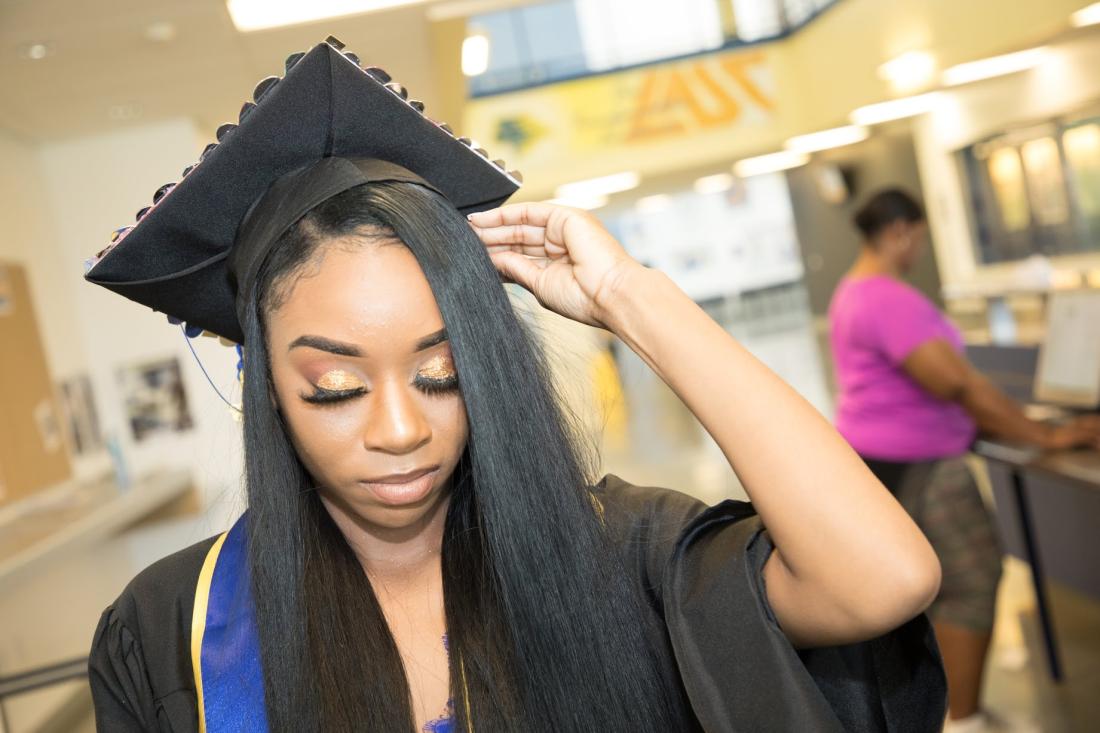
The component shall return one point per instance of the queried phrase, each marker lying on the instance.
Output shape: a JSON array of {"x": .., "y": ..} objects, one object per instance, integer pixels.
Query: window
[
  {"x": 1036, "y": 190},
  {"x": 563, "y": 39}
]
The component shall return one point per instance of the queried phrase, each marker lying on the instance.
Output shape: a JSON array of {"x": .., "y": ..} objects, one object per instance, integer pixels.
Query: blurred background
[{"x": 726, "y": 142}]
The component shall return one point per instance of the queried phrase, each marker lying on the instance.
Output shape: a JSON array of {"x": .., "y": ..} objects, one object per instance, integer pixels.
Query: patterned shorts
[{"x": 944, "y": 500}]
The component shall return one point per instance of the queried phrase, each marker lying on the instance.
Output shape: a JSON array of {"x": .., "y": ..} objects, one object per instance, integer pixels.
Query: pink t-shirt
[{"x": 875, "y": 323}]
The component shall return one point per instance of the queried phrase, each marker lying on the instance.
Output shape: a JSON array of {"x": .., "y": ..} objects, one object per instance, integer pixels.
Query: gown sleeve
[
  {"x": 139, "y": 666},
  {"x": 742, "y": 674},
  {"x": 120, "y": 686}
]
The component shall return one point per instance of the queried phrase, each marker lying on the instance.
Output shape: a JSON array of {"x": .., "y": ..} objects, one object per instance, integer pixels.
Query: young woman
[
  {"x": 425, "y": 546},
  {"x": 911, "y": 405}
]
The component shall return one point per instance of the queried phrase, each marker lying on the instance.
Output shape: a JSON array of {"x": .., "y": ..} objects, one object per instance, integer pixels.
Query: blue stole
[{"x": 225, "y": 649}]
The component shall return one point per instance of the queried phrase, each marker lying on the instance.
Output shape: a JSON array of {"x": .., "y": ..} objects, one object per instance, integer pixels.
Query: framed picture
[
  {"x": 79, "y": 415},
  {"x": 155, "y": 399}
]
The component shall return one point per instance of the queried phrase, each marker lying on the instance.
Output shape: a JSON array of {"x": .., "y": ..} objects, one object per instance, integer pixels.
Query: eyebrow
[
  {"x": 433, "y": 340},
  {"x": 323, "y": 344},
  {"x": 344, "y": 349}
]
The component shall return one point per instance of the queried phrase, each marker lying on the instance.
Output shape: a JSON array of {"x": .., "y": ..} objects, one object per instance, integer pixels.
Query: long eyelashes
[
  {"x": 436, "y": 385},
  {"x": 323, "y": 396},
  {"x": 428, "y": 386}
]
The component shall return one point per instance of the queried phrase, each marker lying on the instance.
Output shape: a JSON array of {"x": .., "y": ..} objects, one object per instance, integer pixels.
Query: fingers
[
  {"x": 517, "y": 268},
  {"x": 511, "y": 234},
  {"x": 533, "y": 213}
]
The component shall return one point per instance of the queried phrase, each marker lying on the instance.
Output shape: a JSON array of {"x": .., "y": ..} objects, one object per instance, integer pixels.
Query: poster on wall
[
  {"x": 154, "y": 398},
  {"x": 79, "y": 413},
  {"x": 718, "y": 243}
]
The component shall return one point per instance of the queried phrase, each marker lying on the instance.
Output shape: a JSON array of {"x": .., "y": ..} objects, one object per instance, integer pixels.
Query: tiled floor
[{"x": 649, "y": 437}]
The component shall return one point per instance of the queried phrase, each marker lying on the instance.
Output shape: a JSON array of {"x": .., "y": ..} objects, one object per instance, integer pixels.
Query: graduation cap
[{"x": 326, "y": 126}]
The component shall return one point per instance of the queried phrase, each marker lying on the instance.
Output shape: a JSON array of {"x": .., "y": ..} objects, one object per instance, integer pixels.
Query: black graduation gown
[{"x": 700, "y": 568}]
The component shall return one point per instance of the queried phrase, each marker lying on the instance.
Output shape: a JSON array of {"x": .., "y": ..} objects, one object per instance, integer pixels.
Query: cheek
[{"x": 447, "y": 415}]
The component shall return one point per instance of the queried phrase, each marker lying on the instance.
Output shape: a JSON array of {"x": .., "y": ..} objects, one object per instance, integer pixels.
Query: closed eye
[
  {"x": 433, "y": 386},
  {"x": 323, "y": 396}
]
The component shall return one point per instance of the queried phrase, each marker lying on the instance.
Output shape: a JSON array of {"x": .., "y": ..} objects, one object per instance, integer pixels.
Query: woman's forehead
[{"x": 360, "y": 294}]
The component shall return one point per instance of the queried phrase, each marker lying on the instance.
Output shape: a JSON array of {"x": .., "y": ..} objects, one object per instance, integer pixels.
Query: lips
[{"x": 397, "y": 489}]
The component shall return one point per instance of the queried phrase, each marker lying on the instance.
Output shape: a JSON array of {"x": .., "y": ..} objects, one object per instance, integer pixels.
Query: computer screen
[{"x": 1069, "y": 360}]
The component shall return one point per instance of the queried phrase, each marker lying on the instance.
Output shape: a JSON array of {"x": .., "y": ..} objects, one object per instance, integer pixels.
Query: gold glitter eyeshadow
[
  {"x": 339, "y": 381},
  {"x": 439, "y": 367}
]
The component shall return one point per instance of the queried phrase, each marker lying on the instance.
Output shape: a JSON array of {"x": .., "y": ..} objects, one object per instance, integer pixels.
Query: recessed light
[
  {"x": 716, "y": 183},
  {"x": 160, "y": 32},
  {"x": 770, "y": 163},
  {"x": 910, "y": 71},
  {"x": 475, "y": 54},
  {"x": 36, "y": 51},
  {"x": 826, "y": 139},
  {"x": 1009, "y": 63},
  {"x": 894, "y": 109},
  {"x": 1088, "y": 15}
]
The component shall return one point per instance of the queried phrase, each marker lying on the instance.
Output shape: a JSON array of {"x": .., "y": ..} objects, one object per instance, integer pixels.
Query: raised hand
[{"x": 563, "y": 256}]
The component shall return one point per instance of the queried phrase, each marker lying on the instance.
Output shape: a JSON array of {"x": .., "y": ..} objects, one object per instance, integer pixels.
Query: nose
[{"x": 396, "y": 424}]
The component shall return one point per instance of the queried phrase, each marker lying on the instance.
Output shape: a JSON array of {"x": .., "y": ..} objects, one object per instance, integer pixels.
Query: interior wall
[
  {"x": 1067, "y": 81},
  {"x": 30, "y": 240},
  {"x": 94, "y": 185},
  {"x": 829, "y": 241}
]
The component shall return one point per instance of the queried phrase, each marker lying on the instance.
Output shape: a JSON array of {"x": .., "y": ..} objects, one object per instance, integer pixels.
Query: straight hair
[{"x": 547, "y": 629}]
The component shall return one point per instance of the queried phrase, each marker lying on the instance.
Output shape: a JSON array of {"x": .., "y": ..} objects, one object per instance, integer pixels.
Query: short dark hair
[{"x": 884, "y": 208}]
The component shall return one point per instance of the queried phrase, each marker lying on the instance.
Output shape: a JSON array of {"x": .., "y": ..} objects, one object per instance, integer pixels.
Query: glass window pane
[
  {"x": 757, "y": 19},
  {"x": 1006, "y": 174},
  {"x": 1043, "y": 164},
  {"x": 1082, "y": 146},
  {"x": 623, "y": 32}
]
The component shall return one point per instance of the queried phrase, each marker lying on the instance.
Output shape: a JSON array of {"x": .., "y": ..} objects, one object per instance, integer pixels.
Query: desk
[{"x": 1048, "y": 513}]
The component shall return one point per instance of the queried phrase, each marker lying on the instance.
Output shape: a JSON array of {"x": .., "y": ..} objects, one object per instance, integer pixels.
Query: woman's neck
[
  {"x": 393, "y": 552},
  {"x": 870, "y": 263}
]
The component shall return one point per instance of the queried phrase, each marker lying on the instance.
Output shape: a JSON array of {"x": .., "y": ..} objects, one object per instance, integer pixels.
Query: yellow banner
[{"x": 625, "y": 110}]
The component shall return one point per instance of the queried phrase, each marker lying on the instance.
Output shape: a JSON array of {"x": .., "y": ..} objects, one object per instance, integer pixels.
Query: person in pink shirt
[{"x": 910, "y": 404}]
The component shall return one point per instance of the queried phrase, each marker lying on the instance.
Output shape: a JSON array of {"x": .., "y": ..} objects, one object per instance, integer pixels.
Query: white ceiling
[{"x": 102, "y": 63}]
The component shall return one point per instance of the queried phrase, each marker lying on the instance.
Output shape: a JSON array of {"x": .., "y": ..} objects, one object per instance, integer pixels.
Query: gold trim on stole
[{"x": 198, "y": 620}]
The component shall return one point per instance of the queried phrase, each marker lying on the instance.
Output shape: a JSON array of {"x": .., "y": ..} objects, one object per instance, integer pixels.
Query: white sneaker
[{"x": 988, "y": 722}]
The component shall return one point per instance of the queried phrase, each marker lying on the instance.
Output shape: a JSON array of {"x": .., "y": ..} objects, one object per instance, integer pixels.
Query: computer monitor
[{"x": 1069, "y": 360}]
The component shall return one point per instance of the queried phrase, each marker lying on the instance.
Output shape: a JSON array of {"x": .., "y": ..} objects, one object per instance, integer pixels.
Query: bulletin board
[{"x": 33, "y": 451}]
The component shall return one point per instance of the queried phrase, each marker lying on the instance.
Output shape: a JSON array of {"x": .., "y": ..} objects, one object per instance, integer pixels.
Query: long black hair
[{"x": 546, "y": 629}]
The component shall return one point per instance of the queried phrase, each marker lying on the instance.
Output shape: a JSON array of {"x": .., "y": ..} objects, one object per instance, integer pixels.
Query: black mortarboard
[{"x": 176, "y": 259}]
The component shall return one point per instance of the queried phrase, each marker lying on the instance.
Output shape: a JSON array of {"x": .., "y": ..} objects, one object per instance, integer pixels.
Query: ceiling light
[
  {"x": 895, "y": 109},
  {"x": 1088, "y": 15},
  {"x": 475, "y": 54},
  {"x": 254, "y": 15},
  {"x": 653, "y": 204},
  {"x": 770, "y": 163},
  {"x": 1009, "y": 63},
  {"x": 37, "y": 51},
  {"x": 601, "y": 186},
  {"x": 581, "y": 202},
  {"x": 717, "y": 183},
  {"x": 910, "y": 71},
  {"x": 161, "y": 32},
  {"x": 834, "y": 138}
]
